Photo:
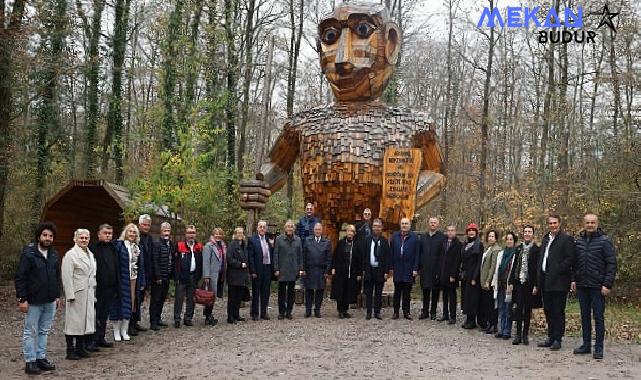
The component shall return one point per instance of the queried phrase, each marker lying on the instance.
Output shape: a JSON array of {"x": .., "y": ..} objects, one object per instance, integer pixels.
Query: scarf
[
  {"x": 523, "y": 272},
  {"x": 508, "y": 253}
]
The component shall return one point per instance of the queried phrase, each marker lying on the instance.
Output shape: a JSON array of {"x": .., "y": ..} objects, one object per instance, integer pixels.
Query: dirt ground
[{"x": 326, "y": 348}]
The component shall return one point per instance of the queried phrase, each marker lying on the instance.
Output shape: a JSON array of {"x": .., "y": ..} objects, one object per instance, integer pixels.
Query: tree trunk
[
  {"x": 266, "y": 102},
  {"x": 231, "y": 10},
  {"x": 249, "y": 70},
  {"x": 170, "y": 55}
]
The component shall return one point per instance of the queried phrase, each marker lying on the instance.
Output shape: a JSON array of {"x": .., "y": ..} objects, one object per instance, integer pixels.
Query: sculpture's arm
[
  {"x": 430, "y": 180},
  {"x": 282, "y": 156}
]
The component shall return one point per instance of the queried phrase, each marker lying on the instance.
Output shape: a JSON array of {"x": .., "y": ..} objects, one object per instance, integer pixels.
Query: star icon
[{"x": 606, "y": 18}]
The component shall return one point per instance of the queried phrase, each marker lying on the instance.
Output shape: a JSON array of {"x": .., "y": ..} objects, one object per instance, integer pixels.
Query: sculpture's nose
[{"x": 344, "y": 53}]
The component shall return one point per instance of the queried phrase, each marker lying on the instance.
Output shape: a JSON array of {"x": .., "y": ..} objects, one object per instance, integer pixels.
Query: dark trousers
[
  {"x": 554, "y": 308},
  {"x": 488, "y": 314},
  {"x": 522, "y": 308},
  {"x": 185, "y": 291},
  {"x": 449, "y": 302},
  {"x": 592, "y": 304},
  {"x": 430, "y": 300},
  {"x": 314, "y": 296},
  {"x": 135, "y": 315},
  {"x": 261, "y": 288},
  {"x": 285, "y": 297},
  {"x": 402, "y": 290},
  {"x": 373, "y": 296},
  {"x": 103, "y": 305},
  {"x": 235, "y": 294},
  {"x": 158, "y": 297}
]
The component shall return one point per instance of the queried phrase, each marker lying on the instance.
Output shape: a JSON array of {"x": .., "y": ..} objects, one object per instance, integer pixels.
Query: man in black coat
[
  {"x": 594, "y": 272},
  {"x": 375, "y": 253},
  {"x": 429, "y": 267},
  {"x": 147, "y": 243},
  {"x": 261, "y": 258},
  {"x": 38, "y": 292},
  {"x": 107, "y": 282},
  {"x": 162, "y": 256},
  {"x": 449, "y": 277},
  {"x": 554, "y": 277}
]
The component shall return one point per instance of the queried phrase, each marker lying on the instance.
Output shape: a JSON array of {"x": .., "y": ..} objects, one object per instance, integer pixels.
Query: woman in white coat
[{"x": 79, "y": 284}]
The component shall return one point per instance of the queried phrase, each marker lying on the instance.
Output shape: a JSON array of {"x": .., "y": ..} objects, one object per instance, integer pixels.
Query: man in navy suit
[
  {"x": 405, "y": 254},
  {"x": 261, "y": 257}
]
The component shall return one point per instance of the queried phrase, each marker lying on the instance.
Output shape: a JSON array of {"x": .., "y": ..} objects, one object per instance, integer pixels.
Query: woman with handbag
[
  {"x": 503, "y": 295},
  {"x": 237, "y": 275}
]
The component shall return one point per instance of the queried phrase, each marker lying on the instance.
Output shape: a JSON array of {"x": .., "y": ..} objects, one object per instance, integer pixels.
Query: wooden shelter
[{"x": 90, "y": 203}]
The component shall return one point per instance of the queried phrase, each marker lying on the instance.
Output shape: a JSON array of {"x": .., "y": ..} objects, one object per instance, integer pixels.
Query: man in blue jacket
[
  {"x": 405, "y": 248},
  {"x": 305, "y": 225},
  {"x": 594, "y": 271},
  {"x": 38, "y": 291}
]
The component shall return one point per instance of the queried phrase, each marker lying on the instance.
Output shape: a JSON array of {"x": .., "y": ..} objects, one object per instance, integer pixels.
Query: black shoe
[
  {"x": 154, "y": 327},
  {"x": 556, "y": 345},
  {"x": 442, "y": 319},
  {"x": 71, "y": 355},
  {"x": 132, "y": 331},
  {"x": 545, "y": 343},
  {"x": 92, "y": 348},
  {"x": 281, "y": 317},
  {"x": 341, "y": 316},
  {"x": 597, "y": 355},
  {"x": 422, "y": 316},
  {"x": 468, "y": 326},
  {"x": 104, "y": 344},
  {"x": 32, "y": 368},
  {"x": 265, "y": 317},
  {"x": 289, "y": 316},
  {"x": 139, "y": 328},
  {"x": 347, "y": 315},
  {"x": 240, "y": 319},
  {"x": 188, "y": 322},
  {"x": 451, "y": 322},
  {"x": 231, "y": 321},
  {"x": 378, "y": 316},
  {"x": 45, "y": 365},
  {"x": 254, "y": 317},
  {"x": 433, "y": 317},
  {"x": 368, "y": 316},
  {"x": 162, "y": 324},
  {"x": 526, "y": 340},
  {"x": 407, "y": 316},
  {"x": 317, "y": 314},
  {"x": 177, "y": 324},
  {"x": 395, "y": 316},
  {"x": 308, "y": 314},
  {"x": 506, "y": 337},
  {"x": 489, "y": 330},
  {"x": 517, "y": 340},
  {"x": 498, "y": 336},
  {"x": 582, "y": 350}
]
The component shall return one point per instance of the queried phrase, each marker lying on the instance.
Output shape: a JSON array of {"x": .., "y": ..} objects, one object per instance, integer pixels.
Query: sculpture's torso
[{"x": 342, "y": 150}]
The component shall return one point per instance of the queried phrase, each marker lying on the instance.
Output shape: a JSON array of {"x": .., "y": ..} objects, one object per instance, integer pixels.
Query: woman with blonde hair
[
  {"x": 346, "y": 272},
  {"x": 79, "y": 284},
  {"x": 132, "y": 280}
]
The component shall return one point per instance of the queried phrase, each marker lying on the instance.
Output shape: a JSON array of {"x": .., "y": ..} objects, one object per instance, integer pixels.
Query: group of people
[{"x": 109, "y": 279}]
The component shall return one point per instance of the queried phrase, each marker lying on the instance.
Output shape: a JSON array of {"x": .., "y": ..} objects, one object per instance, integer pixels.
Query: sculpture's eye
[
  {"x": 364, "y": 29},
  {"x": 330, "y": 35}
]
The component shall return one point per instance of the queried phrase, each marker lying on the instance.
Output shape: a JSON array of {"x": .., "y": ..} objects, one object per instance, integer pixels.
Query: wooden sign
[{"x": 401, "y": 168}]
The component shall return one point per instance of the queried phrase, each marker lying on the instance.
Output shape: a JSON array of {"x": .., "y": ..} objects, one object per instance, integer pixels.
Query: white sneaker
[
  {"x": 124, "y": 327},
  {"x": 116, "y": 326}
]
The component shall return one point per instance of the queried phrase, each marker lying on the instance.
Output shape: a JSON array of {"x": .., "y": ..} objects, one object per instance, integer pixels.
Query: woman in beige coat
[{"x": 79, "y": 283}]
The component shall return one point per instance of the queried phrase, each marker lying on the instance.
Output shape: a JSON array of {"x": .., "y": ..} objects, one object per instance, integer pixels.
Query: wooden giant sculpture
[{"x": 341, "y": 147}]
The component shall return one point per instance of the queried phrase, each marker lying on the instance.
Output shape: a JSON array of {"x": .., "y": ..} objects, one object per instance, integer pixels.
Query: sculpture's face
[{"x": 358, "y": 48}]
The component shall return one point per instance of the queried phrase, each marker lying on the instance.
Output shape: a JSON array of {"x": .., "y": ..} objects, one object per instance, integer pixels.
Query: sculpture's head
[{"x": 358, "y": 45}]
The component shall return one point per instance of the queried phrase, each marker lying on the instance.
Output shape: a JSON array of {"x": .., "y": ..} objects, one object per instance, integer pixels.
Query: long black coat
[
  {"x": 471, "y": 270},
  {"x": 316, "y": 261},
  {"x": 236, "y": 256},
  {"x": 107, "y": 268},
  {"x": 522, "y": 293},
  {"x": 450, "y": 264},
  {"x": 384, "y": 259},
  {"x": 429, "y": 263},
  {"x": 347, "y": 263},
  {"x": 147, "y": 244},
  {"x": 560, "y": 261}
]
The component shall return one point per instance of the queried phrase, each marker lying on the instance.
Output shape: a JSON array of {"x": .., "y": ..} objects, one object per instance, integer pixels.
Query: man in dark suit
[
  {"x": 449, "y": 278},
  {"x": 405, "y": 248},
  {"x": 555, "y": 274},
  {"x": 429, "y": 267},
  {"x": 261, "y": 256},
  {"x": 375, "y": 257}
]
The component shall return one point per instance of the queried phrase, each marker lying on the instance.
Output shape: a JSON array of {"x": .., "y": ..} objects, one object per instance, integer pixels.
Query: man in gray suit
[
  {"x": 288, "y": 265},
  {"x": 316, "y": 264}
]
